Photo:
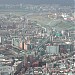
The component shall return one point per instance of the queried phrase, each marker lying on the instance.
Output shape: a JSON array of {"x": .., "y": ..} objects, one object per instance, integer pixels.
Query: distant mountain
[{"x": 61, "y": 2}]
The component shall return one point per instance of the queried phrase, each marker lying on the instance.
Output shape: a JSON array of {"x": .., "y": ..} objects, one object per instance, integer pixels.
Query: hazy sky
[{"x": 63, "y": 2}]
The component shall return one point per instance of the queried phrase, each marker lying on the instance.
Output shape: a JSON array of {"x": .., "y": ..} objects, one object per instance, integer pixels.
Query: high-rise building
[{"x": 52, "y": 49}]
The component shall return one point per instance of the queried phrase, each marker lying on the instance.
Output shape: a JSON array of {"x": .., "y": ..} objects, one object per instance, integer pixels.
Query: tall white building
[{"x": 52, "y": 49}]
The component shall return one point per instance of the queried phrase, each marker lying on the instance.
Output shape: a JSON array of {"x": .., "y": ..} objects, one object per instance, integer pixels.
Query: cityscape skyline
[{"x": 37, "y": 37}]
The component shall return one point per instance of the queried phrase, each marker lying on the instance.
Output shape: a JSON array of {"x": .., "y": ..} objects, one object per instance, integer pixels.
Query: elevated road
[{"x": 43, "y": 42}]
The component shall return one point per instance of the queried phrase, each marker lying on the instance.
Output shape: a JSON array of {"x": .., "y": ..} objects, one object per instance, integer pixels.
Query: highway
[{"x": 43, "y": 42}]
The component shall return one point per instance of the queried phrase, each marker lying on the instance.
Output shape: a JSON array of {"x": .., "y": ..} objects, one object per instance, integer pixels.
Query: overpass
[{"x": 43, "y": 42}]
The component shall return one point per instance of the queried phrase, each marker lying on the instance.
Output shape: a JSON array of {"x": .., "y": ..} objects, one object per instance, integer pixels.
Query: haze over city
[
  {"x": 37, "y": 37},
  {"x": 61, "y": 2}
]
